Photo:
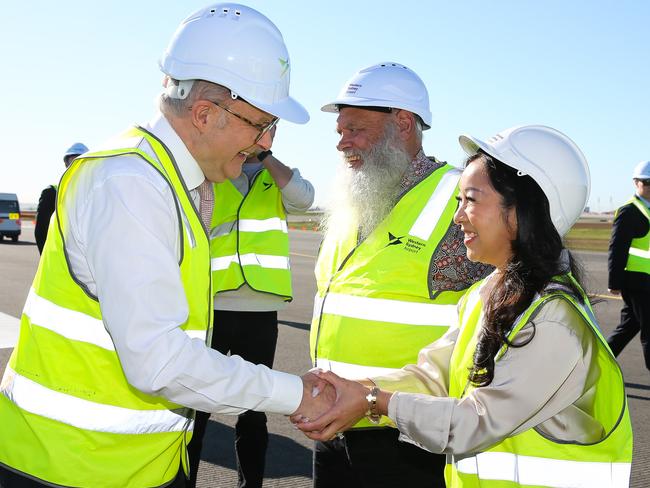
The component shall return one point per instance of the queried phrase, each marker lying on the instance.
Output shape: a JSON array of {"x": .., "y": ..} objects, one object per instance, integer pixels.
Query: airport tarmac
[{"x": 289, "y": 453}]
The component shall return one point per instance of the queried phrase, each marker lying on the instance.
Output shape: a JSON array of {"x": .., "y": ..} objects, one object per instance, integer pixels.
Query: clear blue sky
[{"x": 84, "y": 70}]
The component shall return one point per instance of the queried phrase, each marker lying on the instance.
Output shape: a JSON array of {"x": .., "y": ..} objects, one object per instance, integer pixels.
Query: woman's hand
[{"x": 351, "y": 406}]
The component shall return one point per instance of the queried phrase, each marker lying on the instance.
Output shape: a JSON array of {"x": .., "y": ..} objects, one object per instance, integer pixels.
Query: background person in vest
[
  {"x": 47, "y": 201},
  {"x": 525, "y": 392},
  {"x": 391, "y": 268},
  {"x": 112, "y": 358},
  {"x": 629, "y": 265},
  {"x": 249, "y": 222}
]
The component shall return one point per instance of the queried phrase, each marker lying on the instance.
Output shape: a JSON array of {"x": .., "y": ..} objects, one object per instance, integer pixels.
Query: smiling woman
[
  {"x": 544, "y": 402},
  {"x": 485, "y": 216}
]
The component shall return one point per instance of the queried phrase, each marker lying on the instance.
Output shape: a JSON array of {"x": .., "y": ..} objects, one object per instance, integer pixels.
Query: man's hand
[
  {"x": 318, "y": 396},
  {"x": 614, "y": 292},
  {"x": 350, "y": 407}
]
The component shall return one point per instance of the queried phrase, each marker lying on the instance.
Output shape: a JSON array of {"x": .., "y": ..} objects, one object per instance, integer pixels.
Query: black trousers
[
  {"x": 253, "y": 336},
  {"x": 374, "y": 458},
  {"x": 635, "y": 317},
  {"x": 11, "y": 479}
]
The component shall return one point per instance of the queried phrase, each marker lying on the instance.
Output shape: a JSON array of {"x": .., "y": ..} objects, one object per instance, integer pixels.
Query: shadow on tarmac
[
  {"x": 638, "y": 386},
  {"x": 285, "y": 458},
  {"x": 295, "y": 325},
  {"x": 19, "y": 243}
]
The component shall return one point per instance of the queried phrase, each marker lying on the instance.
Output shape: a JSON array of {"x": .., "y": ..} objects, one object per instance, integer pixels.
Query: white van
[{"x": 9, "y": 216}]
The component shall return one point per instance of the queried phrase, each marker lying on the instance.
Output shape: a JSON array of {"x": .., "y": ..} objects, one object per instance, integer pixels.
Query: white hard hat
[
  {"x": 642, "y": 170},
  {"x": 385, "y": 85},
  {"x": 550, "y": 158},
  {"x": 75, "y": 150},
  {"x": 239, "y": 48}
]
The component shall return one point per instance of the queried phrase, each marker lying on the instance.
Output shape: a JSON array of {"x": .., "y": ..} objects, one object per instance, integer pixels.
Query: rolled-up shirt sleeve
[
  {"x": 126, "y": 231},
  {"x": 297, "y": 194}
]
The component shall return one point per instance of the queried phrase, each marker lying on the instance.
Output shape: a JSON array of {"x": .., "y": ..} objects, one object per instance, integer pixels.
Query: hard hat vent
[{"x": 239, "y": 48}]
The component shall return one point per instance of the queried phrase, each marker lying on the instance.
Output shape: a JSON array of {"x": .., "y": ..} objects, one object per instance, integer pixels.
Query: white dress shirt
[{"x": 123, "y": 244}]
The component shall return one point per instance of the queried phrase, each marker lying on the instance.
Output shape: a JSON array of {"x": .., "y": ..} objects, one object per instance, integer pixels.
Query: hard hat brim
[
  {"x": 333, "y": 107},
  {"x": 287, "y": 109},
  {"x": 471, "y": 145}
]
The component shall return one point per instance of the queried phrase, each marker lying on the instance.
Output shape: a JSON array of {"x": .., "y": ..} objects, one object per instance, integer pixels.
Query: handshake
[{"x": 331, "y": 404}]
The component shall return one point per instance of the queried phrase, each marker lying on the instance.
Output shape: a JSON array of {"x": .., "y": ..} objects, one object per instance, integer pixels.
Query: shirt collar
[
  {"x": 421, "y": 167},
  {"x": 189, "y": 169},
  {"x": 647, "y": 202}
]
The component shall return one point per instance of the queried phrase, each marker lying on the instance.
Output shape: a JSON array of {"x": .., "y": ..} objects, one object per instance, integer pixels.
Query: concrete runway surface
[{"x": 289, "y": 453}]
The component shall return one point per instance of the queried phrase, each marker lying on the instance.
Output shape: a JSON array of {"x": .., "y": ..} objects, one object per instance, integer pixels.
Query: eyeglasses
[
  {"x": 644, "y": 182},
  {"x": 263, "y": 128}
]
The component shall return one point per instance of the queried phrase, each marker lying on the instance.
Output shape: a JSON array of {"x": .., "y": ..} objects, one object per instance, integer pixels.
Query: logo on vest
[
  {"x": 266, "y": 185},
  {"x": 394, "y": 241},
  {"x": 414, "y": 245},
  {"x": 411, "y": 244}
]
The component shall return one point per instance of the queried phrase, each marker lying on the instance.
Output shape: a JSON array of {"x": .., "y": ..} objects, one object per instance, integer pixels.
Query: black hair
[{"x": 536, "y": 259}]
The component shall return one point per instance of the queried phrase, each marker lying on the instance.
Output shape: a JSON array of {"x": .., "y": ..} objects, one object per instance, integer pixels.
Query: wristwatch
[
  {"x": 262, "y": 155},
  {"x": 371, "y": 413}
]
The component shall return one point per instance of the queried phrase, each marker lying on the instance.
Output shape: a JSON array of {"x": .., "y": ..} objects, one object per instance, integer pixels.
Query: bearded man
[{"x": 390, "y": 271}]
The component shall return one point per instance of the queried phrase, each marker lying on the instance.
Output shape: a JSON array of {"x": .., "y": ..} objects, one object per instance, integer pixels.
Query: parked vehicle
[{"x": 9, "y": 216}]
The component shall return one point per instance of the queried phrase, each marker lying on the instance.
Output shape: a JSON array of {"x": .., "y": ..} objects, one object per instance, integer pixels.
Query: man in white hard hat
[
  {"x": 629, "y": 265},
  {"x": 391, "y": 268},
  {"x": 251, "y": 279},
  {"x": 47, "y": 201},
  {"x": 112, "y": 358}
]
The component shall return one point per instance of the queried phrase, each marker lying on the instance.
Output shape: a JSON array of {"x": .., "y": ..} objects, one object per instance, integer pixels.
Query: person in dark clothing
[
  {"x": 47, "y": 201},
  {"x": 629, "y": 265}
]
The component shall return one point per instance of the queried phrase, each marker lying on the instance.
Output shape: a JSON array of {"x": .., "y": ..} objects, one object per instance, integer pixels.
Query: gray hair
[
  {"x": 418, "y": 129},
  {"x": 201, "y": 90}
]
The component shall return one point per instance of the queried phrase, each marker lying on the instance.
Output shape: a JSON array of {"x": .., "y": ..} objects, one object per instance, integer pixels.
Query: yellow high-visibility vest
[
  {"x": 638, "y": 258},
  {"x": 69, "y": 415},
  {"x": 375, "y": 309},
  {"x": 249, "y": 240},
  {"x": 530, "y": 459}
]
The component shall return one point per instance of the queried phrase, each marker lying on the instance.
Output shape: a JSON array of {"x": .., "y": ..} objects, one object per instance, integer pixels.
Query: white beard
[{"x": 363, "y": 197}]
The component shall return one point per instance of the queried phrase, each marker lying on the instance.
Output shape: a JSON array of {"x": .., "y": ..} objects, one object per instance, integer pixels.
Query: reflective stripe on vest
[
  {"x": 430, "y": 215},
  {"x": 250, "y": 225},
  {"x": 374, "y": 310},
  {"x": 638, "y": 259},
  {"x": 352, "y": 371},
  {"x": 530, "y": 459},
  {"x": 542, "y": 471},
  {"x": 65, "y": 398},
  {"x": 263, "y": 260},
  {"x": 74, "y": 325},
  {"x": 639, "y": 252},
  {"x": 84, "y": 414},
  {"x": 384, "y": 310},
  {"x": 249, "y": 239}
]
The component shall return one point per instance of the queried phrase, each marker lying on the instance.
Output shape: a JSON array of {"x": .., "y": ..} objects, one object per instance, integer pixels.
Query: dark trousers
[
  {"x": 374, "y": 458},
  {"x": 11, "y": 479},
  {"x": 253, "y": 336},
  {"x": 635, "y": 317}
]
